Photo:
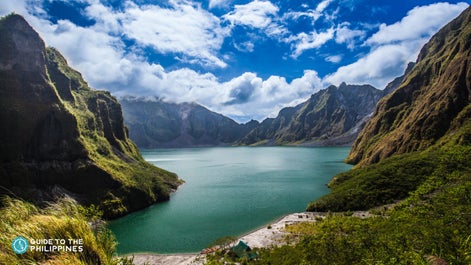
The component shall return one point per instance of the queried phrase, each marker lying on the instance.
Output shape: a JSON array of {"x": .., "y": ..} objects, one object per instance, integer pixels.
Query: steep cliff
[
  {"x": 59, "y": 134},
  {"x": 155, "y": 123},
  {"x": 332, "y": 116},
  {"x": 428, "y": 102},
  {"x": 418, "y": 142}
]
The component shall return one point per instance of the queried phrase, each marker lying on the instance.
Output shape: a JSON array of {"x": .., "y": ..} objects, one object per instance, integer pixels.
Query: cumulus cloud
[
  {"x": 256, "y": 14},
  {"x": 323, "y": 5},
  {"x": 377, "y": 68},
  {"x": 242, "y": 88},
  {"x": 314, "y": 39},
  {"x": 18, "y": 7},
  {"x": 181, "y": 28},
  {"x": 184, "y": 28},
  {"x": 268, "y": 96},
  {"x": 105, "y": 64},
  {"x": 393, "y": 46},
  {"x": 420, "y": 22}
]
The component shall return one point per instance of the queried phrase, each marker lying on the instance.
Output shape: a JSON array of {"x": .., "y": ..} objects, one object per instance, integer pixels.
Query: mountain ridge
[
  {"x": 328, "y": 116},
  {"x": 155, "y": 123},
  {"x": 332, "y": 116},
  {"x": 58, "y": 134},
  {"x": 421, "y": 111}
]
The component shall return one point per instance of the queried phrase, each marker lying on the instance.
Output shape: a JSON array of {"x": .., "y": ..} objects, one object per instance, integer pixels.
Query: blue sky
[{"x": 245, "y": 59}]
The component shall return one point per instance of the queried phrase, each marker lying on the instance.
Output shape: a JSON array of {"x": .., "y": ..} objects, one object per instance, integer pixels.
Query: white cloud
[
  {"x": 100, "y": 55},
  {"x": 184, "y": 28},
  {"x": 303, "y": 41},
  {"x": 17, "y": 6},
  {"x": 246, "y": 46},
  {"x": 420, "y": 22},
  {"x": 343, "y": 34},
  {"x": 377, "y": 68},
  {"x": 314, "y": 14},
  {"x": 107, "y": 20},
  {"x": 323, "y": 5},
  {"x": 196, "y": 35},
  {"x": 219, "y": 3},
  {"x": 334, "y": 58},
  {"x": 264, "y": 98},
  {"x": 256, "y": 14},
  {"x": 393, "y": 46}
]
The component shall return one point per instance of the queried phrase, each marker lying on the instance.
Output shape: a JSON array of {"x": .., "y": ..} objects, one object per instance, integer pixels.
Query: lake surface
[{"x": 228, "y": 192}]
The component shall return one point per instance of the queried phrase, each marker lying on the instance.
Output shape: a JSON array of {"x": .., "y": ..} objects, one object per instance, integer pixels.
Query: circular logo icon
[{"x": 19, "y": 245}]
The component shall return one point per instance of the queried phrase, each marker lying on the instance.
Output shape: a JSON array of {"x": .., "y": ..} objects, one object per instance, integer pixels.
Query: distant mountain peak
[{"x": 332, "y": 116}]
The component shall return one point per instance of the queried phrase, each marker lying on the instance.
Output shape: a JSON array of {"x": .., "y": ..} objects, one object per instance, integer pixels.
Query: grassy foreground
[
  {"x": 429, "y": 221},
  {"x": 64, "y": 219},
  {"x": 433, "y": 223}
]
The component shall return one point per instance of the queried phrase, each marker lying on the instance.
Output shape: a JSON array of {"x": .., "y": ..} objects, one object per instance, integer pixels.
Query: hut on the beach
[{"x": 242, "y": 250}]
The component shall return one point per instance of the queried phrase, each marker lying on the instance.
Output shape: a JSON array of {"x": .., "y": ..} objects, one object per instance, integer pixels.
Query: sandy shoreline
[
  {"x": 170, "y": 259},
  {"x": 268, "y": 236}
]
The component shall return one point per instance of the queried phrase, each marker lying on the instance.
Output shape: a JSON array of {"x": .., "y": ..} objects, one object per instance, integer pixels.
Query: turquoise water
[{"x": 228, "y": 191}]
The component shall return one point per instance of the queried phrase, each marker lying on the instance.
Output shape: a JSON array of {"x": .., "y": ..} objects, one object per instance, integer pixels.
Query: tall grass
[{"x": 64, "y": 219}]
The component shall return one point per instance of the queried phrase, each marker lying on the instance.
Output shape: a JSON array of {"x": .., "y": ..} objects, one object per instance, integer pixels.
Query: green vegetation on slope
[
  {"x": 59, "y": 132},
  {"x": 331, "y": 116},
  {"x": 393, "y": 178},
  {"x": 100, "y": 122},
  {"x": 415, "y": 154},
  {"x": 433, "y": 222},
  {"x": 417, "y": 114},
  {"x": 64, "y": 219}
]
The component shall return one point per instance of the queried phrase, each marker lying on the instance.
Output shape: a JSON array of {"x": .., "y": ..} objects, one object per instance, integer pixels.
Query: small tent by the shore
[{"x": 242, "y": 250}]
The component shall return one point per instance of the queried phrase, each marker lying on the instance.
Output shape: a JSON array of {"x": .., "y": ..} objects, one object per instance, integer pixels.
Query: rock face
[
  {"x": 59, "y": 134},
  {"x": 432, "y": 101},
  {"x": 333, "y": 116},
  {"x": 393, "y": 85},
  {"x": 155, "y": 123}
]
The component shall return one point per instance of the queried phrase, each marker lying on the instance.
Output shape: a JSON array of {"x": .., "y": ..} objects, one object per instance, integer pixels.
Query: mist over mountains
[{"x": 330, "y": 117}]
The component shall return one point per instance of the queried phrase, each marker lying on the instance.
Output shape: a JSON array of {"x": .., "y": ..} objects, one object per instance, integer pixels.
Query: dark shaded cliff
[
  {"x": 155, "y": 123},
  {"x": 432, "y": 97},
  {"x": 58, "y": 134},
  {"x": 332, "y": 116}
]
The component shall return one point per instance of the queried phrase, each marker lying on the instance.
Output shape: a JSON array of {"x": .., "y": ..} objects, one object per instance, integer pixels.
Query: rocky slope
[
  {"x": 155, "y": 123},
  {"x": 59, "y": 135},
  {"x": 332, "y": 116},
  {"x": 432, "y": 101}
]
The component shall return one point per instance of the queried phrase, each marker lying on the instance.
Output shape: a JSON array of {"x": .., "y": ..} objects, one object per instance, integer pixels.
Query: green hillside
[
  {"x": 59, "y": 136},
  {"x": 413, "y": 173}
]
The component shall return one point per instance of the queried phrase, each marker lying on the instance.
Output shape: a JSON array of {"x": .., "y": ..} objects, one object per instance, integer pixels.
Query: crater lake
[{"x": 228, "y": 191}]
